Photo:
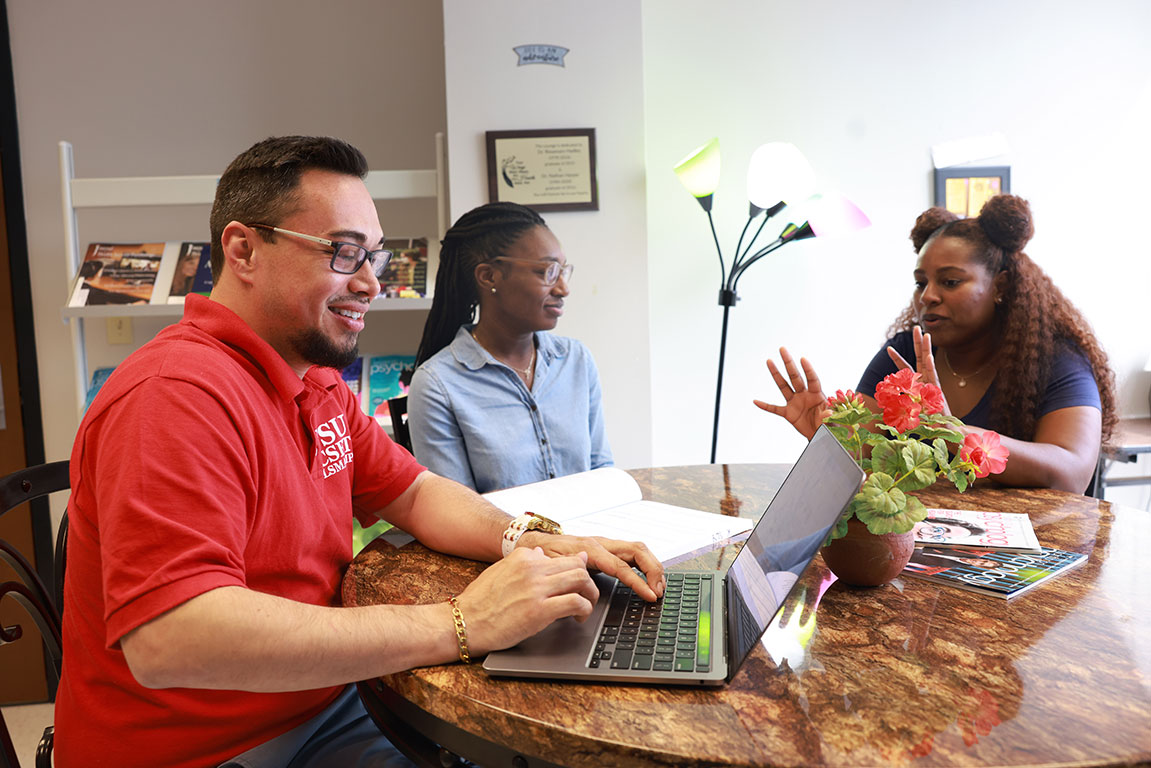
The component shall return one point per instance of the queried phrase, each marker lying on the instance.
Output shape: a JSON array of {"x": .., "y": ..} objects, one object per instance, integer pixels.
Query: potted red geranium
[{"x": 903, "y": 450}]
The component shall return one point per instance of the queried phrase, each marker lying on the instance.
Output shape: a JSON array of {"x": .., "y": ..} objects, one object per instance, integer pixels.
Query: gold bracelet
[{"x": 461, "y": 630}]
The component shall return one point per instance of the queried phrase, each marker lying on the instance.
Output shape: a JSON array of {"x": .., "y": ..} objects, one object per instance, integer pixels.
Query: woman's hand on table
[{"x": 805, "y": 405}]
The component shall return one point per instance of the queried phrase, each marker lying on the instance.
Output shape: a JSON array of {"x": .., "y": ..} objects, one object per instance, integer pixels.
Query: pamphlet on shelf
[
  {"x": 384, "y": 383},
  {"x": 407, "y": 274},
  {"x": 193, "y": 272},
  {"x": 608, "y": 502},
  {"x": 989, "y": 571},
  {"x": 99, "y": 376},
  {"x": 1004, "y": 531},
  {"x": 117, "y": 273},
  {"x": 353, "y": 376}
]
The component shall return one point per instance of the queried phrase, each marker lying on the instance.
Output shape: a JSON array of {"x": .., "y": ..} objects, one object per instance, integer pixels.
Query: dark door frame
[{"x": 17, "y": 235}]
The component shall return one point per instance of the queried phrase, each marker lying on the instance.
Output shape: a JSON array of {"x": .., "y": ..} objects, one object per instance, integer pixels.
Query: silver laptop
[{"x": 707, "y": 622}]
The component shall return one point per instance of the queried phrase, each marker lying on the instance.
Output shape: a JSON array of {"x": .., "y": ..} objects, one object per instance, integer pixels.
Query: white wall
[
  {"x": 143, "y": 88},
  {"x": 600, "y": 87},
  {"x": 865, "y": 90}
]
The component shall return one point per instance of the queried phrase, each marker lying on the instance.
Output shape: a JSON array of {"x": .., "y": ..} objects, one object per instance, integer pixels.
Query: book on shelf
[
  {"x": 1005, "y": 531},
  {"x": 991, "y": 571},
  {"x": 117, "y": 273},
  {"x": 406, "y": 276},
  {"x": 192, "y": 272},
  {"x": 99, "y": 376},
  {"x": 608, "y": 502},
  {"x": 383, "y": 383},
  {"x": 353, "y": 376}
]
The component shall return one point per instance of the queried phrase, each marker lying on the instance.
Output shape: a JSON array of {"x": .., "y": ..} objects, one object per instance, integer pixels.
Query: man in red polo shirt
[{"x": 215, "y": 478}]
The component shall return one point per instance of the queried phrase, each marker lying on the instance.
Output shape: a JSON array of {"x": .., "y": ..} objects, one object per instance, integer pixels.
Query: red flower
[
  {"x": 932, "y": 398},
  {"x": 899, "y": 395},
  {"x": 984, "y": 451},
  {"x": 903, "y": 397},
  {"x": 841, "y": 398}
]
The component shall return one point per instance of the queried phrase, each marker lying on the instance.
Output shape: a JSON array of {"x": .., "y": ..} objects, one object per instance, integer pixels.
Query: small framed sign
[
  {"x": 963, "y": 191},
  {"x": 546, "y": 170}
]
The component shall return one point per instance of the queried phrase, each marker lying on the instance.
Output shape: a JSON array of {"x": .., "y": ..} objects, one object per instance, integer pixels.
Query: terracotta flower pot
[{"x": 864, "y": 559}]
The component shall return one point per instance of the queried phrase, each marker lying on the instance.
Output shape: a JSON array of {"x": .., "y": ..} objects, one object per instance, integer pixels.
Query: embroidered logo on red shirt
[{"x": 335, "y": 445}]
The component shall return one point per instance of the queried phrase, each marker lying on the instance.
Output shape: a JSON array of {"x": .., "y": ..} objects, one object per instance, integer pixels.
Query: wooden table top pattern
[{"x": 907, "y": 672}]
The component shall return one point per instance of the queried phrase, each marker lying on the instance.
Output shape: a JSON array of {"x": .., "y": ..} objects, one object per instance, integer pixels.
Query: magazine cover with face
[{"x": 1004, "y": 531}]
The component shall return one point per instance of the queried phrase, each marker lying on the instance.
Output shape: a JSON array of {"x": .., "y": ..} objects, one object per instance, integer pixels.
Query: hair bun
[
  {"x": 929, "y": 221},
  {"x": 1007, "y": 222}
]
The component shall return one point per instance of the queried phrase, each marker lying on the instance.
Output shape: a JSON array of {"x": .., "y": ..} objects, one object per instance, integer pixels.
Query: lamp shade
[
  {"x": 778, "y": 173},
  {"x": 699, "y": 171},
  {"x": 831, "y": 213}
]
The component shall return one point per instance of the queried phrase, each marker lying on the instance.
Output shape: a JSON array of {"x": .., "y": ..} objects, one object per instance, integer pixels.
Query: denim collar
[{"x": 468, "y": 352}]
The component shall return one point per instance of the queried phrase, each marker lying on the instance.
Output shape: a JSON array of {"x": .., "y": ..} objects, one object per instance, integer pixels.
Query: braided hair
[
  {"x": 1033, "y": 319},
  {"x": 479, "y": 236}
]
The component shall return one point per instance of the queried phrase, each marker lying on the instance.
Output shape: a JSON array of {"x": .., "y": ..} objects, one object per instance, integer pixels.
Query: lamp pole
[{"x": 729, "y": 281}]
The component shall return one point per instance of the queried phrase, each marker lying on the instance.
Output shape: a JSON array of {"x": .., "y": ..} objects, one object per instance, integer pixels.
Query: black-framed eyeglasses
[
  {"x": 347, "y": 258},
  {"x": 551, "y": 275}
]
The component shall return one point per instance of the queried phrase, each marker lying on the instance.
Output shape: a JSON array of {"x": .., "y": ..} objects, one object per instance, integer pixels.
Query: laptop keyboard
[{"x": 672, "y": 634}]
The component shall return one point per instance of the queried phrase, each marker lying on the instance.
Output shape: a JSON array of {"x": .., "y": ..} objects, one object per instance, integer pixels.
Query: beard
[{"x": 319, "y": 350}]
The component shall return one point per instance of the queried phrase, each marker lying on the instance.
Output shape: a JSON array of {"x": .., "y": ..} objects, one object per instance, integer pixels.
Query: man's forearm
[
  {"x": 448, "y": 517},
  {"x": 238, "y": 639}
]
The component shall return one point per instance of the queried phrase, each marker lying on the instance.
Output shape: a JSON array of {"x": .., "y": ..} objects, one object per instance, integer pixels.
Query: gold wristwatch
[{"x": 528, "y": 521}]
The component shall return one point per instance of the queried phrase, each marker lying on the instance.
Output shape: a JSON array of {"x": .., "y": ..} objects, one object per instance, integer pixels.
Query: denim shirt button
[
  {"x": 533, "y": 407},
  {"x": 551, "y": 475},
  {"x": 543, "y": 441}
]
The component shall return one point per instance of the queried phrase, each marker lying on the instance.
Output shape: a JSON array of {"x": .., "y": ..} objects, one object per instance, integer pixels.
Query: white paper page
[
  {"x": 670, "y": 532},
  {"x": 565, "y": 498},
  {"x": 608, "y": 502}
]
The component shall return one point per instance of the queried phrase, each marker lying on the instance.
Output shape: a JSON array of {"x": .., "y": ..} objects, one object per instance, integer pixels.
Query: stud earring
[{"x": 493, "y": 289}]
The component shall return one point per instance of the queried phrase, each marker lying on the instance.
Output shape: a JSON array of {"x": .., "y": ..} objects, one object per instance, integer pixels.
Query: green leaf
[
  {"x": 942, "y": 455},
  {"x": 848, "y": 415},
  {"x": 885, "y": 458},
  {"x": 930, "y": 433},
  {"x": 920, "y": 462},
  {"x": 878, "y": 498},
  {"x": 911, "y": 514}
]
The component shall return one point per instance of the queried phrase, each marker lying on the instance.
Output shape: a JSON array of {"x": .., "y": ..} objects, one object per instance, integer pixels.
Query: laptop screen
[{"x": 786, "y": 539}]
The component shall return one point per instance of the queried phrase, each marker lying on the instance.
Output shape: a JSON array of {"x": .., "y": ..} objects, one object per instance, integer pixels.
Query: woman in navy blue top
[{"x": 1007, "y": 348}]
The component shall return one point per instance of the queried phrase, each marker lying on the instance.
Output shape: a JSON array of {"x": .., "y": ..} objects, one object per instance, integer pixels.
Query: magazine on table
[
  {"x": 1004, "y": 531},
  {"x": 991, "y": 571}
]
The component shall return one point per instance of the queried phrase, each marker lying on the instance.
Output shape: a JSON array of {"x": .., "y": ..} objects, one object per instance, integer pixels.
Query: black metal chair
[
  {"x": 398, "y": 408},
  {"x": 43, "y": 606}
]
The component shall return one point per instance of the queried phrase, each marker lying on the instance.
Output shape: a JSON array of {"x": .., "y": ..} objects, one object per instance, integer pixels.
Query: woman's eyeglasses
[
  {"x": 347, "y": 258},
  {"x": 551, "y": 274}
]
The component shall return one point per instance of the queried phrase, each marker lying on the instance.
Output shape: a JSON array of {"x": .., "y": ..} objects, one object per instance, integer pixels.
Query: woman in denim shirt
[{"x": 502, "y": 402}]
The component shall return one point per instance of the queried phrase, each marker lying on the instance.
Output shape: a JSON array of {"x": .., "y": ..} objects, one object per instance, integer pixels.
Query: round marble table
[{"x": 909, "y": 672}]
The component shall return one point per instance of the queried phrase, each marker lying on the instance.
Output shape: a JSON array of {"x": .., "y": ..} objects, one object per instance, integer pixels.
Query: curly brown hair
[{"x": 1032, "y": 320}]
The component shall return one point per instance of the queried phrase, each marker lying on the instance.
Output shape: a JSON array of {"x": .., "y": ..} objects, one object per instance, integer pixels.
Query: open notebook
[
  {"x": 706, "y": 624},
  {"x": 608, "y": 502}
]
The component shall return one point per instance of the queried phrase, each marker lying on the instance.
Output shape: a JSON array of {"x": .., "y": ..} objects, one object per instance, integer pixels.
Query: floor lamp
[{"x": 778, "y": 175}]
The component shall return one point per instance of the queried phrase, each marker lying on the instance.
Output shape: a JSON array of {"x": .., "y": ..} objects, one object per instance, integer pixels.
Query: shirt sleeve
[
  {"x": 172, "y": 520},
  {"x": 436, "y": 437},
  {"x": 1072, "y": 382},
  {"x": 600, "y": 450}
]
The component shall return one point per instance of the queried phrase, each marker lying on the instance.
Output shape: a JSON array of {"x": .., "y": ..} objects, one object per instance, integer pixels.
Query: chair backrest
[
  {"x": 44, "y": 607},
  {"x": 398, "y": 408}
]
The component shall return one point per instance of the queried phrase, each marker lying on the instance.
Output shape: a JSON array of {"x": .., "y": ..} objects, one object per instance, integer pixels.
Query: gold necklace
[
  {"x": 525, "y": 372},
  {"x": 962, "y": 378}
]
